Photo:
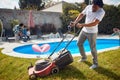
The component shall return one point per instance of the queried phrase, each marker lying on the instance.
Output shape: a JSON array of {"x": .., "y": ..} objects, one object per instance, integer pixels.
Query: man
[
  {"x": 17, "y": 31},
  {"x": 94, "y": 14}
]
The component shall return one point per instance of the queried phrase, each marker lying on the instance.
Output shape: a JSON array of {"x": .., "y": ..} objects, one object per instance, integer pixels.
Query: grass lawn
[{"x": 12, "y": 68}]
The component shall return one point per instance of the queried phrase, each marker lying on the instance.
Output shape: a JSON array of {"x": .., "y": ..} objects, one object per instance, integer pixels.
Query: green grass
[{"x": 12, "y": 68}]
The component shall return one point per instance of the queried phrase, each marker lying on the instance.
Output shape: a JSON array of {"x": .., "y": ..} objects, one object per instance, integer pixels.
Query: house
[{"x": 55, "y": 8}]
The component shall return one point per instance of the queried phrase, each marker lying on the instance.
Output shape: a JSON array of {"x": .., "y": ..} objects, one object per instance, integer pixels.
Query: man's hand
[
  {"x": 72, "y": 24},
  {"x": 78, "y": 25}
]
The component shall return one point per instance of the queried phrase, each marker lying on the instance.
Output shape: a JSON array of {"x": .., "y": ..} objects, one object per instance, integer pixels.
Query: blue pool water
[{"x": 101, "y": 44}]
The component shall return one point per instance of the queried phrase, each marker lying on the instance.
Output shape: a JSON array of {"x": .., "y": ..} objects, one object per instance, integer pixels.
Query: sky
[{"x": 10, "y": 4}]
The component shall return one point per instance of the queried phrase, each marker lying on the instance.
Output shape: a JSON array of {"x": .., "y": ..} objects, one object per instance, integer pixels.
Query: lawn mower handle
[{"x": 69, "y": 29}]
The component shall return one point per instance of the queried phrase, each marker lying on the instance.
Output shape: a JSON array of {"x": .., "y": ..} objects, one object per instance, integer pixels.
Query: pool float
[
  {"x": 36, "y": 48},
  {"x": 43, "y": 48}
]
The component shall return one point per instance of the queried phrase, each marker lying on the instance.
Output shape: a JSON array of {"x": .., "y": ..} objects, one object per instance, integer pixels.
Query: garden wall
[{"x": 39, "y": 17}]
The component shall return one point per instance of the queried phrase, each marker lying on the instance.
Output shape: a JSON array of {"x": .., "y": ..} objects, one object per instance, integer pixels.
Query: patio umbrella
[{"x": 30, "y": 20}]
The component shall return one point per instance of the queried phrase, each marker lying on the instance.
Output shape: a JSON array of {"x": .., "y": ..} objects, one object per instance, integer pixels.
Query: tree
[
  {"x": 70, "y": 12},
  {"x": 110, "y": 20},
  {"x": 0, "y": 27},
  {"x": 14, "y": 22},
  {"x": 31, "y": 4},
  {"x": 86, "y": 1}
]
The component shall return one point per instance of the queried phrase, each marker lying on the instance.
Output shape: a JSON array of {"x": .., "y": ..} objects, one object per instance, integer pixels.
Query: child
[{"x": 28, "y": 34}]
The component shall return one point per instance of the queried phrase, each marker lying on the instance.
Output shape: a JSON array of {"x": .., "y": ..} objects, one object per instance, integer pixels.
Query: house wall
[{"x": 39, "y": 17}]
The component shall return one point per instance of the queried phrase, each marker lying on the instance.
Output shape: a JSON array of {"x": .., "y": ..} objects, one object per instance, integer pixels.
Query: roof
[{"x": 55, "y": 8}]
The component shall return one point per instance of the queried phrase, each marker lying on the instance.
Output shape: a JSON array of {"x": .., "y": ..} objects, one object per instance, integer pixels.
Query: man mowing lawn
[{"x": 94, "y": 14}]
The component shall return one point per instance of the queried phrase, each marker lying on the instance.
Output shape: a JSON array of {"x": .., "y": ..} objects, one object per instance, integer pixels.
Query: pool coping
[{"x": 8, "y": 50}]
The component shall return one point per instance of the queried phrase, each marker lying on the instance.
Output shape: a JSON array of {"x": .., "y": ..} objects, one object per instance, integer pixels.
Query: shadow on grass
[
  {"x": 88, "y": 63},
  {"x": 73, "y": 72},
  {"x": 106, "y": 72},
  {"x": 69, "y": 72}
]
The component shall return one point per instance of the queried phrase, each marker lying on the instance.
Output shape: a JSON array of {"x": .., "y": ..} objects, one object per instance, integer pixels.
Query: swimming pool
[{"x": 73, "y": 48}]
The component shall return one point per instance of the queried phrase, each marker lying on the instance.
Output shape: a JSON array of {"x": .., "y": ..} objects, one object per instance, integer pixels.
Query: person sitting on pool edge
[
  {"x": 94, "y": 14},
  {"x": 17, "y": 31}
]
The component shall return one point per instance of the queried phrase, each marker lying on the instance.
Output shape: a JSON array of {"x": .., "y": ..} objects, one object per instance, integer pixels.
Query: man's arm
[
  {"x": 94, "y": 23},
  {"x": 80, "y": 16}
]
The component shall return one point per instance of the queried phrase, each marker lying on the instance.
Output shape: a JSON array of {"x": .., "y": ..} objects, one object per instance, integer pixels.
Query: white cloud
[
  {"x": 113, "y": 2},
  {"x": 9, "y": 4}
]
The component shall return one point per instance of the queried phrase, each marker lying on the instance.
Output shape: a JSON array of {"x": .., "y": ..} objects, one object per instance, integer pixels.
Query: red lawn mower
[{"x": 53, "y": 64}]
